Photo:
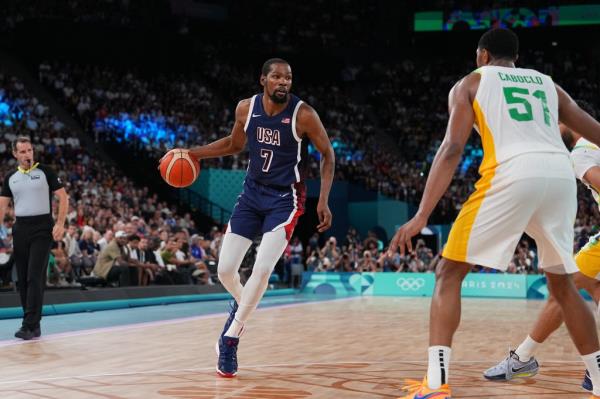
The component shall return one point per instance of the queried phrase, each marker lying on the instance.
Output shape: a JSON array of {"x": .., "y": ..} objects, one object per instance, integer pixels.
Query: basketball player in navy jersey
[{"x": 277, "y": 126}]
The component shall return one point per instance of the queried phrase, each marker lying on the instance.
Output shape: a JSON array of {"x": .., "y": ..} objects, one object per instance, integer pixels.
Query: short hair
[
  {"x": 133, "y": 237},
  {"x": 587, "y": 107},
  {"x": 266, "y": 68},
  {"x": 501, "y": 43},
  {"x": 20, "y": 139}
]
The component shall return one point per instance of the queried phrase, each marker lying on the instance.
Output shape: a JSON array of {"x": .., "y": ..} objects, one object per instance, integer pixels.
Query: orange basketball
[{"x": 178, "y": 168}]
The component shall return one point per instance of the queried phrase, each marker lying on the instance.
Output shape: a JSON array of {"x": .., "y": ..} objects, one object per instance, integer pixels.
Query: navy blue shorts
[{"x": 261, "y": 209}]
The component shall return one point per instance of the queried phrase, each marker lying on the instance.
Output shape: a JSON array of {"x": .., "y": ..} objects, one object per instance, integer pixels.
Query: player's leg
[
  {"x": 588, "y": 263},
  {"x": 550, "y": 319},
  {"x": 555, "y": 218},
  {"x": 576, "y": 314},
  {"x": 444, "y": 318},
  {"x": 486, "y": 232},
  {"x": 243, "y": 226},
  {"x": 271, "y": 248},
  {"x": 232, "y": 254},
  {"x": 580, "y": 322},
  {"x": 521, "y": 362},
  {"x": 591, "y": 285}
]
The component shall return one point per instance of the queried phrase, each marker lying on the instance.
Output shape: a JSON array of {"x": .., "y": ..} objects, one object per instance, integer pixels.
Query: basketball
[{"x": 178, "y": 168}]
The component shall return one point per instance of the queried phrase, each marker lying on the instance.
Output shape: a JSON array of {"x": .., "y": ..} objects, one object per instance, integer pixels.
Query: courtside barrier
[{"x": 485, "y": 285}]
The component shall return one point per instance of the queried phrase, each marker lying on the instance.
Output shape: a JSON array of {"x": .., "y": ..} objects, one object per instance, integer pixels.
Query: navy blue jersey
[{"x": 277, "y": 153}]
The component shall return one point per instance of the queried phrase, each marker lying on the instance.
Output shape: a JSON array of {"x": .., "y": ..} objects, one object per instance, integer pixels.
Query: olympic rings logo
[{"x": 410, "y": 284}]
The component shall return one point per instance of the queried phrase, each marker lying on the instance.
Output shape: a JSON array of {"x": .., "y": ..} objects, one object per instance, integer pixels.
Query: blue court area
[{"x": 64, "y": 323}]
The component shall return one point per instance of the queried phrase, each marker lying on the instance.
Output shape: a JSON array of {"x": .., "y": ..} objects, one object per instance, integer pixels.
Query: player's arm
[
  {"x": 447, "y": 158},
  {"x": 575, "y": 118},
  {"x": 308, "y": 122},
  {"x": 592, "y": 177},
  {"x": 232, "y": 144}
]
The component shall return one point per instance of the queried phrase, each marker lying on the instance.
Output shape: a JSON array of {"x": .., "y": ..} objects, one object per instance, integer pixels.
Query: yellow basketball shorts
[{"x": 588, "y": 258}]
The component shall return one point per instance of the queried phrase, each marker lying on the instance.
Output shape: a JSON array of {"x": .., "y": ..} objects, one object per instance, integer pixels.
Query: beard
[{"x": 277, "y": 99}]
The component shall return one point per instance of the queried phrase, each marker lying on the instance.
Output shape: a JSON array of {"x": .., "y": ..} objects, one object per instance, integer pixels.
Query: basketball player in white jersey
[
  {"x": 527, "y": 185},
  {"x": 520, "y": 362}
]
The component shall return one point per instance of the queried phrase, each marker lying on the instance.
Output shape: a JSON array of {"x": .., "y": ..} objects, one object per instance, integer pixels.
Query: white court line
[
  {"x": 123, "y": 327},
  {"x": 255, "y": 366}
]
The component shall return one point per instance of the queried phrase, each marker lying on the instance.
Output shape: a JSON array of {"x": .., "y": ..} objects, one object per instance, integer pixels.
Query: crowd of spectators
[
  {"x": 354, "y": 254},
  {"x": 107, "y": 211}
]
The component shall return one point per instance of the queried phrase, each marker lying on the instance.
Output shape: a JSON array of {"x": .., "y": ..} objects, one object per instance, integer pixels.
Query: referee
[{"x": 31, "y": 187}]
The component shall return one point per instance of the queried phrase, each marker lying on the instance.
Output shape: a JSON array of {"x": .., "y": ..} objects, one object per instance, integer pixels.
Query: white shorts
[{"x": 541, "y": 201}]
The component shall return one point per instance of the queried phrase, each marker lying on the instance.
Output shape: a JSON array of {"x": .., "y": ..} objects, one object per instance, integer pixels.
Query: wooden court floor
[{"x": 352, "y": 348}]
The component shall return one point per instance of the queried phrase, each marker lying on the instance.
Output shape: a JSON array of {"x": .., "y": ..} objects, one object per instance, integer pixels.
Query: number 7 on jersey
[{"x": 267, "y": 155}]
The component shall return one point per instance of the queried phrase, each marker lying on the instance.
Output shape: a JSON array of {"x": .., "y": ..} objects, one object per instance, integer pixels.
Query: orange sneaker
[{"x": 420, "y": 390}]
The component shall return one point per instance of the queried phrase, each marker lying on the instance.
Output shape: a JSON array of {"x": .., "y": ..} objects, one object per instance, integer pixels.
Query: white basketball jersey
[
  {"x": 586, "y": 155},
  {"x": 516, "y": 112}
]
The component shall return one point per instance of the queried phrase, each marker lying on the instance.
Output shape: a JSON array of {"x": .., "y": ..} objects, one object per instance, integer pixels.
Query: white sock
[
  {"x": 592, "y": 363},
  {"x": 235, "y": 329},
  {"x": 527, "y": 348},
  {"x": 439, "y": 366}
]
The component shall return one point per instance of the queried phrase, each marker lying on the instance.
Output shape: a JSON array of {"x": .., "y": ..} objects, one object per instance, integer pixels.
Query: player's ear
[
  {"x": 485, "y": 56},
  {"x": 263, "y": 80}
]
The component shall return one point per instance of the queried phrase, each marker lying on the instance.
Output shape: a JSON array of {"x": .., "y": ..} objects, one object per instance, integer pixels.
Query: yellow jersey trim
[{"x": 458, "y": 240}]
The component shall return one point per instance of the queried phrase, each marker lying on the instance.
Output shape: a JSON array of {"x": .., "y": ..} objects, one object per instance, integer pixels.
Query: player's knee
[
  {"x": 262, "y": 272},
  {"x": 560, "y": 285},
  {"x": 449, "y": 272},
  {"x": 225, "y": 273}
]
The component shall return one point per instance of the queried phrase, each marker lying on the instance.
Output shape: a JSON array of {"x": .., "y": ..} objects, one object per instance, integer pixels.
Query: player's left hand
[
  {"x": 57, "y": 232},
  {"x": 324, "y": 217},
  {"x": 402, "y": 238}
]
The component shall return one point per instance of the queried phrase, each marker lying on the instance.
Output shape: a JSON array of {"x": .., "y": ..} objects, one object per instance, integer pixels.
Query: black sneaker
[{"x": 26, "y": 334}]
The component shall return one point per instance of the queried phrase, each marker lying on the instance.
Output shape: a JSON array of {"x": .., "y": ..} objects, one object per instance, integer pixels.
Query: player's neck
[
  {"x": 502, "y": 63},
  {"x": 271, "y": 107}
]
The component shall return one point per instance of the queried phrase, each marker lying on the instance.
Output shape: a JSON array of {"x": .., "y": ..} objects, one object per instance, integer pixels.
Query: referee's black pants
[{"x": 32, "y": 240}]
